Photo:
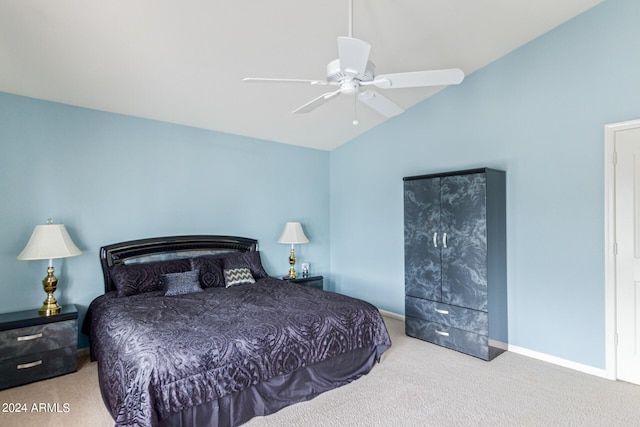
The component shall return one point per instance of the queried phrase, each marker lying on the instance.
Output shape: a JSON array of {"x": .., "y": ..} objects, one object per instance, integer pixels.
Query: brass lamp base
[
  {"x": 50, "y": 305},
  {"x": 292, "y": 261}
]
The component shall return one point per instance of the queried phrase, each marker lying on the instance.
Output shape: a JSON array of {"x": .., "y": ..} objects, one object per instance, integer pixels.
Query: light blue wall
[
  {"x": 538, "y": 113},
  {"x": 110, "y": 178}
]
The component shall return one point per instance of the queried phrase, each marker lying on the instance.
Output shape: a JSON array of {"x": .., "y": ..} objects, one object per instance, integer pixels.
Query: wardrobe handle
[
  {"x": 444, "y": 334},
  {"x": 439, "y": 310},
  {"x": 435, "y": 240},
  {"x": 444, "y": 240}
]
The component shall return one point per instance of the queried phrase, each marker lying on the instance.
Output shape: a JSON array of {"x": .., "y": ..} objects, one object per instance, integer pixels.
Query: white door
[{"x": 627, "y": 231}]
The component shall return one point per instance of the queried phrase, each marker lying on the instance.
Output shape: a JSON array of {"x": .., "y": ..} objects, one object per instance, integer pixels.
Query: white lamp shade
[
  {"x": 48, "y": 242},
  {"x": 293, "y": 234}
]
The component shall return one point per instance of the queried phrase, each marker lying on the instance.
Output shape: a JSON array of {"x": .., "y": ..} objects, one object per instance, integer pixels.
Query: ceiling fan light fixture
[{"x": 349, "y": 87}]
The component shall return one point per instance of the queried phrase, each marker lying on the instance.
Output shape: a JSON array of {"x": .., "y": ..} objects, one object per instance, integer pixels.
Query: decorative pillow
[
  {"x": 181, "y": 283},
  {"x": 210, "y": 267},
  {"x": 250, "y": 260},
  {"x": 238, "y": 276},
  {"x": 135, "y": 279}
]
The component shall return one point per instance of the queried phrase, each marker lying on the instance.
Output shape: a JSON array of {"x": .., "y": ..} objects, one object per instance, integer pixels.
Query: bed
[{"x": 192, "y": 331}]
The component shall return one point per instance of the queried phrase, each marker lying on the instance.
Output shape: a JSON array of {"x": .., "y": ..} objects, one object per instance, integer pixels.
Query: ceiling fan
[{"x": 353, "y": 71}]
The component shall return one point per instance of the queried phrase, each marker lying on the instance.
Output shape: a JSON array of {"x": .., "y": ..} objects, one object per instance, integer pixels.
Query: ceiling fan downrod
[{"x": 350, "y": 18}]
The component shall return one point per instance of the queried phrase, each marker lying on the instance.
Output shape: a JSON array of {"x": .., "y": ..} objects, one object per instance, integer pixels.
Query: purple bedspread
[{"x": 158, "y": 355}]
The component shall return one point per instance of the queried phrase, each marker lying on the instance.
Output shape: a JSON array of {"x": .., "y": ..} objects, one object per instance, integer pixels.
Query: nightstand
[
  {"x": 34, "y": 347},
  {"x": 313, "y": 281}
]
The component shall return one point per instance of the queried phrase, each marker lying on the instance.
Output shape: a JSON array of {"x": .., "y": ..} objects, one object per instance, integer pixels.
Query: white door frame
[{"x": 609, "y": 242}]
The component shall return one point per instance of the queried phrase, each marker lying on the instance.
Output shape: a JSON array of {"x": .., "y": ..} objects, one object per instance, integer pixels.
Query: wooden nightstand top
[
  {"x": 301, "y": 279},
  {"x": 23, "y": 319}
]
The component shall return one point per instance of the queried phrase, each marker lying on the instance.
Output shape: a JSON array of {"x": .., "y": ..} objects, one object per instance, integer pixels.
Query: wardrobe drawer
[
  {"x": 446, "y": 336},
  {"x": 37, "y": 366},
  {"x": 39, "y": 338},
  {"x": 449, "y": 315}
]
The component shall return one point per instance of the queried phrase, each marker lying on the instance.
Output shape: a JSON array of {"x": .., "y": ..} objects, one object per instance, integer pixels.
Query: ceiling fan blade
[
  {"x": 381, "y": 104},
  {"x": 315, "y": 103},
  {"x": 261, "y": 79},
  {"x": 451, "y": 76},
  {"x": 353, "y": 55}
]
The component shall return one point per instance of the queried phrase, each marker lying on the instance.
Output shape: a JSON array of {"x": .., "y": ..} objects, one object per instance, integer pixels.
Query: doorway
[{"x": 622, "y": 240}]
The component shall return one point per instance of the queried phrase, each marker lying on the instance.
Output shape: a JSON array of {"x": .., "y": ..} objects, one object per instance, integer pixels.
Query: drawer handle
[
  {"x": 30, "y": 337},
  {"x": 444, "y": 334},
  {"x": 438, "y": 310},
  {"x": 30, "y": 364},
  {"x": 435, "y": 240}
]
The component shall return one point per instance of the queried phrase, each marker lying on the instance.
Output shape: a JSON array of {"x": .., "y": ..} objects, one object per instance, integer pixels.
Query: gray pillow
[{"x": 181, "y": 283}]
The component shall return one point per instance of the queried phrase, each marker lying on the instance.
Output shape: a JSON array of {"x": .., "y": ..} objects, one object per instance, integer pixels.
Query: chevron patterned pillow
[{"x": 238, "y": 276}]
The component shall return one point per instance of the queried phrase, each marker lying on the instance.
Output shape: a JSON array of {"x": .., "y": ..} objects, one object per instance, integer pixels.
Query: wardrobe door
[
  {"x": 423, "y": 273},
  {"x": 464, "y": 251}
]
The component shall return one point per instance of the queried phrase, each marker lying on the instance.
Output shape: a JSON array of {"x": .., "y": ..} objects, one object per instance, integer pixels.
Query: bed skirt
[{"x": 276, "y": 393}]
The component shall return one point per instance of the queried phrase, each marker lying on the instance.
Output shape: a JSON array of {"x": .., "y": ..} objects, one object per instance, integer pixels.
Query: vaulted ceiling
[{"x": 183, "y": 61}]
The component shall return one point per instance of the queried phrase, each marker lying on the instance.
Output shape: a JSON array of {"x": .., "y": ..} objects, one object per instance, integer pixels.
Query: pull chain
[{"x": 355, "y": 109}]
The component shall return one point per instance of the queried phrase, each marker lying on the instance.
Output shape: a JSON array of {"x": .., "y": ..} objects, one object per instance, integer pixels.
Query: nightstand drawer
[
  {"x": 37, "y": 366},
  {"x": 466, "y": 342},
  {"x": 35, "y": 347},
  {"x": 449, "y": 315},
  {"x": 37, "y": 339}
]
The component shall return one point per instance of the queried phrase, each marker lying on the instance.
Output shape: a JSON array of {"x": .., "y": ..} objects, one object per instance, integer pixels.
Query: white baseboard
[
  {"x": 530, "y": 353},
  {"x": 560, "y": 362},
  {"x": 391, "y": 314}
]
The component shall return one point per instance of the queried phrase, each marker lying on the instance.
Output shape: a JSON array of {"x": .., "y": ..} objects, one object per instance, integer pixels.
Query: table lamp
[
  {"x": 49, "y": 241},
  {"x": 292, "y": 234}
]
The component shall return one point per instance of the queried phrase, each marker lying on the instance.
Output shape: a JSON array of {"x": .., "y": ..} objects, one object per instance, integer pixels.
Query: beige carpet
[
  {"x": 78, "y": 390},
  {"x": 417, "y": 384}
]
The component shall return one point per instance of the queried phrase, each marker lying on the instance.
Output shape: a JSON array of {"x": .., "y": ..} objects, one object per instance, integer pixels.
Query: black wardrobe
[{"x": 455, "y": 260}]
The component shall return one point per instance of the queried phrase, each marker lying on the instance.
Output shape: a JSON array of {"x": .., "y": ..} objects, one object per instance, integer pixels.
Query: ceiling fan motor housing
[{"x": 336, "y": 75}]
